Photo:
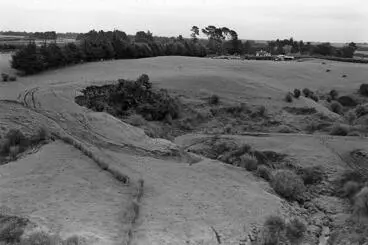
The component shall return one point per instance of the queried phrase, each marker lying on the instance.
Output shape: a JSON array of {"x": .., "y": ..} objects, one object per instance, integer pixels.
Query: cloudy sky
[{"x": 309, "y": 20}]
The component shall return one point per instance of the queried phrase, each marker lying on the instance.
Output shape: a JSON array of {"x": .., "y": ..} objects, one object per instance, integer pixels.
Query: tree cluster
[
  {"x": 95, "y": 46},
  {"x": 325, "y": 49}
]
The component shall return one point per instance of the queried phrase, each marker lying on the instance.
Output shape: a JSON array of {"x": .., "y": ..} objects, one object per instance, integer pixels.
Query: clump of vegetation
[
  {"x": 4, "y": 77},
  {"x": 336, "y": 107},
  {"x": 277, "y": 231},
  {"x": 264, "y": 172},
  {"x": 339, "y": 130},
  {"x": 12, "y": 228},
  {"x": 248, "y": 162},
  {"x": 314, "y": 97},
  {"x": 311, "y": 175},
  {"x": 297, "y": 93},
  {"x": 16, "y": 142},
  {"x": 334, "y": 94},
  {"x": 12, "y": 78},
  {"x": 306, "y": 92},
  {"x": 361, "y": 110},
  {"x": 347, "y": 100},
  {"x": 214, "y": 99},
  {"x": 363, "y": 89},
  {"x": 136, "y": 120},
  {"x": 139, "y": 96},
  {"x": 273, "y": 230},
  {"x": 328, "y": 70},
  {"x": 262, "y": 111},
  {"x": 289, "y": 97},
  {"x": 288, "y": 184},
  {"x": 295, "y": 230}
]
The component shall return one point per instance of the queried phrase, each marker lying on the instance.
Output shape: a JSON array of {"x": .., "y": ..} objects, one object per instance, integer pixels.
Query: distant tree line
[
  {"x": 100, "y": 45},
  {"x": 325, "y": 49},
  {"x": 95, "y": 46}
]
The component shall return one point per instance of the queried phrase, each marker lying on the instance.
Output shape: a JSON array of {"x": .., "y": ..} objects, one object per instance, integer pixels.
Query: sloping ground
[
  {"x": 61, "y": 190},
  {"x": 182, "y": 203}
]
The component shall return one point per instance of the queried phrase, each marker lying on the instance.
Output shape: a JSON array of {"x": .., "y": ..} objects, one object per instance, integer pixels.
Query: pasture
[{"x": 196, "y": 201}]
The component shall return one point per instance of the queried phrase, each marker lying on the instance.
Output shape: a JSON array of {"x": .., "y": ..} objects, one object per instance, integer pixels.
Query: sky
[{"x": 308, "y": 20}]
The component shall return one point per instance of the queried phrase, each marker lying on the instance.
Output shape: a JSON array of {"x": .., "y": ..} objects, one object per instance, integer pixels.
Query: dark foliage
[
  {"x": 306, "y": 92},
  {"x": 311, "y": 175},
  {"x": 297, "y": 93},
  {"x": 363, "y": 89},
  {"x": 334, "y": 94},
  {"x": 96, "y": 46},
  {"x": 347, "y": 101},
  {"x": 118, "y": 99},
  {"x": 289, "y": 97}
]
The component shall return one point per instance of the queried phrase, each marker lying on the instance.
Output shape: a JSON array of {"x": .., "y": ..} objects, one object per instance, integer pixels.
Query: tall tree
[{"x": 195, "y": 33}]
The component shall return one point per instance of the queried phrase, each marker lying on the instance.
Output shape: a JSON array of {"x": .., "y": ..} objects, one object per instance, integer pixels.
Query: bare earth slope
[{"x": 182, "y": 203}]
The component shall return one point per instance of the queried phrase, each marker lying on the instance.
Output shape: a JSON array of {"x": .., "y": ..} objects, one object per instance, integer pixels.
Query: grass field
[{"x": 181, "y": 202}]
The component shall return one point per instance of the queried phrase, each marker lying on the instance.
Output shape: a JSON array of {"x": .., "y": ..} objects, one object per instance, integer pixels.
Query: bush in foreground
[
  {"x": 264, "y": 172},
  {"x": 273, "y": 230},
  {"x": 311, "y": 175},
  {"x": 248, "y": 162},
  {"x": 287, "y": 184},
  {"x": 295, "y": 230}
]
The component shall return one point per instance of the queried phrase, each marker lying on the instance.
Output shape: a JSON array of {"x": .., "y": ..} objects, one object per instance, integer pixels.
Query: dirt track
[{"x": 182, "y": 204}]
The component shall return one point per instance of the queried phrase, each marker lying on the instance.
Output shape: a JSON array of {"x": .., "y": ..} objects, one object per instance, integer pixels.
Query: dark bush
[
  {"x": 347, "y": 101},
  {"x": 297, "y": 93},
  {"x": 361, "y": 110},
  {"x": 340, "y": 130},
  {"x": 274, "y": 223},
  {"x": 248, "y": 162},
  {"x": 306, "y": 92},
  {"x": 295, "y": 230},
  {"x": 214, "y": 99},
  {"x": 336, "y": 107},
  {"x": 363, "y": 89},
  {"x": 264, "y": 172},
  {"x": 334, "y": 94},
  {"x": 328, "y": 70},
  {"x": 287, "y": 184},
  {"x": 314, "y": 97},
  {"x": 289, "y": 97},
  {"x": 119, "y": 98},
  {"x": 12, "y": 228},
  {"x": 311, "y": 175},
  {"x": 12, "y": 78},
  {"x": 4, "y": 77}
]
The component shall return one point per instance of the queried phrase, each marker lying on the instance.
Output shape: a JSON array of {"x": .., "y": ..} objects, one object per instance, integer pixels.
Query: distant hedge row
[{"x": 96, "y": 46}]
